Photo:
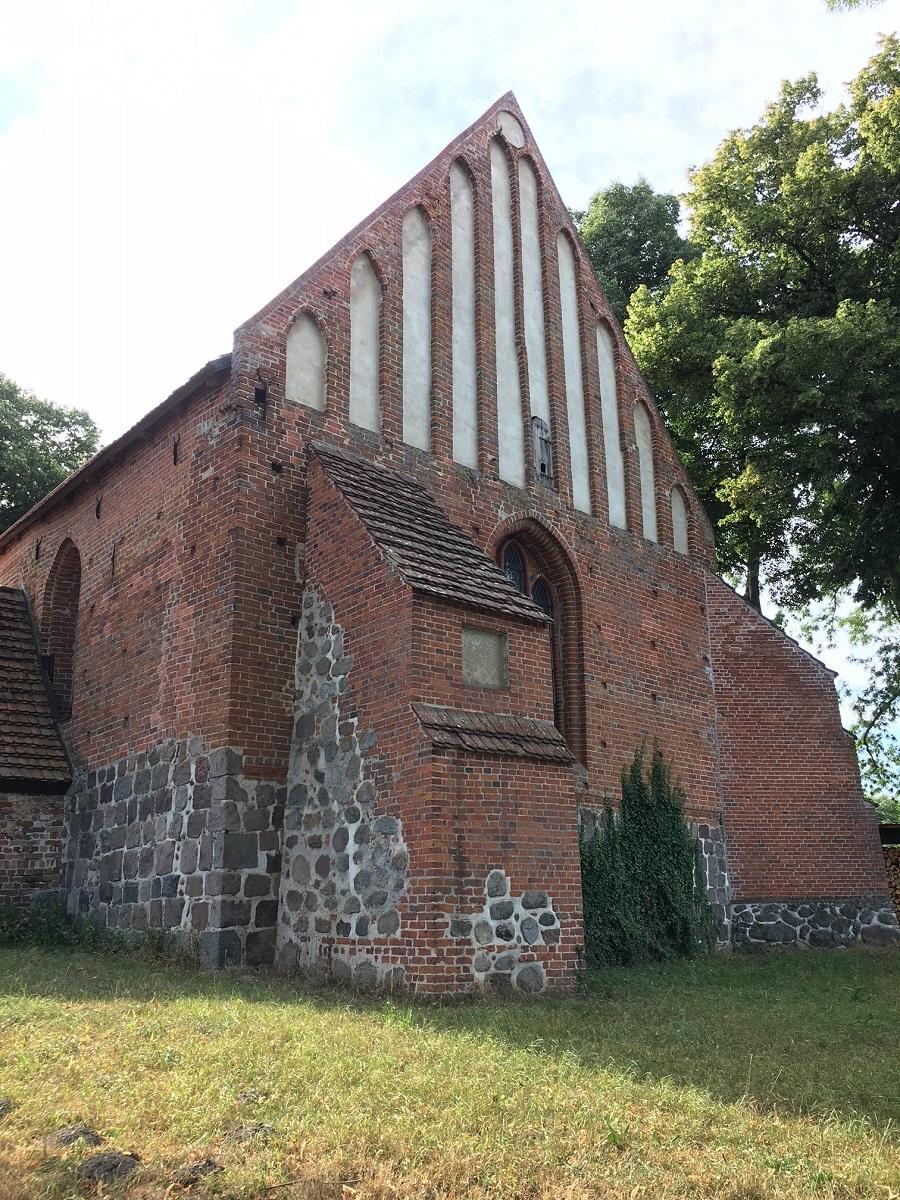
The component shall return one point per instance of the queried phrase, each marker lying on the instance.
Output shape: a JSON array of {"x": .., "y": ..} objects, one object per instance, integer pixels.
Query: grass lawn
[{"x": 743, "y": 1078}]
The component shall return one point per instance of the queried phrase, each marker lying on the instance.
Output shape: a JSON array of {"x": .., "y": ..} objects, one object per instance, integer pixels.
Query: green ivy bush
[{"x": 643, "y": 895}]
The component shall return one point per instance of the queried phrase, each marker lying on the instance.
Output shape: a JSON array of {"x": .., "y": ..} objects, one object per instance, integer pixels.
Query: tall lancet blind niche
[
  {"x": 578, "y": 452},
  {"x": 643, "y": 434},
  {"x": 679, "y": 522},
  {"x": 510, "y": 429},
  {"x": 365, "y": 321},
  {"x": 417, "y": 329},
  {"x": 465, "y": 370},
  {"x": 304, "y": 381},
  {"x": 609, "y": 414},
  {"x": 533, "y": 292}
]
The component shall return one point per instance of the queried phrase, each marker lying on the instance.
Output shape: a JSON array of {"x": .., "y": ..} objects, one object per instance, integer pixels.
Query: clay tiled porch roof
[
  {"x": 432, "y": 554},
  {"x": 492, "y": 733}
]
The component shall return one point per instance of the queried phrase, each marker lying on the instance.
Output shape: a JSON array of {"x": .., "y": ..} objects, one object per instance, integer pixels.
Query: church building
[{"x": 322, "y": 662}]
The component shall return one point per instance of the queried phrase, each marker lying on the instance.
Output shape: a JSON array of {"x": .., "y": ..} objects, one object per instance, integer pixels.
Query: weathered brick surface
[
  {"x": 795, "y": 821},
  {"x": 31, "y": 845},
  {"x": 194, "y": 576}
]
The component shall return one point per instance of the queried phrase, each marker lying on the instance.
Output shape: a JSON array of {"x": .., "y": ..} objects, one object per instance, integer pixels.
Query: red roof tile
[
  {"x": 432, "y": 554},
  {"x": 492, "y": 733}
]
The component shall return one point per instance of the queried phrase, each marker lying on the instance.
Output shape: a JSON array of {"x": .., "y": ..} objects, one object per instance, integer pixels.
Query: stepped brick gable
[{"x": 349, "y": 631}]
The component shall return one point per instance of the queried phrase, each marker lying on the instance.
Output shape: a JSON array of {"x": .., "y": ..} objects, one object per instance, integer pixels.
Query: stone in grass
[
  {"x": 6, "y": 1106},
  {"x": 107, "y": 1166},
  {"x": 76, "y": 1133},
  {"x": 194, "y": 1172},
  {"x": 257, "y": 1131}
]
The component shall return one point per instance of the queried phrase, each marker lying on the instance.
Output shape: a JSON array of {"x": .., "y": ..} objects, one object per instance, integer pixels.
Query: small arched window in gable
[
  {"x": 643, "y": 434},
  {"x": 679, "y": 522},
  {"x": 58, "y": 624},
  {"x": 305, "y": 364}
]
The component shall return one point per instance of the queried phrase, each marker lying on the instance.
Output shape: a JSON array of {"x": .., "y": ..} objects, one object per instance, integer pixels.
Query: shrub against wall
[{"x": 644, "y": 898}]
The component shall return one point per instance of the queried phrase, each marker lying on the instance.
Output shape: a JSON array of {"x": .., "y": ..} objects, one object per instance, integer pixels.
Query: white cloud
[{"x": 173, "y": 166}]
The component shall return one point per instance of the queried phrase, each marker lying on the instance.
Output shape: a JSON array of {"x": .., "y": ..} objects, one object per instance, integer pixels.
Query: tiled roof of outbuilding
[
  {"x": 31, "y": 751},
  {"x": 492, "y": 733},
  {"x": 431, "y": 553}
]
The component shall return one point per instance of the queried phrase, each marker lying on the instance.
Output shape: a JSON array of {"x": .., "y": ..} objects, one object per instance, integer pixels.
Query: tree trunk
[{"x": 751, "y": 595}]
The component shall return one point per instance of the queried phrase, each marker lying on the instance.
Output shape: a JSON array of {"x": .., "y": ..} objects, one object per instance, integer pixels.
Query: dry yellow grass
[{"x": 735, "y": 1079}]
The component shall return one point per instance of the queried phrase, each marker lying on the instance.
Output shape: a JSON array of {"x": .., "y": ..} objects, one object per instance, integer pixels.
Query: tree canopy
[
  {"x": 40, "y": 444},
  {"x": 631, "y": 237},
  {"x": 776, "y": 352}
]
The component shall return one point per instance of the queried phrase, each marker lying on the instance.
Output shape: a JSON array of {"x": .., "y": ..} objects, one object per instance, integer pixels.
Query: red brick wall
[
  {"x": 462, "y": 815},
  {"x": 31, "y": 842},
  {"x": 152, "y": 645},
  {"x": 795, "y": 821}
]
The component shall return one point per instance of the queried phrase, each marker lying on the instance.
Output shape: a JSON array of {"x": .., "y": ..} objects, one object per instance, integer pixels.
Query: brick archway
[
  {"x": 58, "y": 621},
  {"x": 554, "y": 564}
]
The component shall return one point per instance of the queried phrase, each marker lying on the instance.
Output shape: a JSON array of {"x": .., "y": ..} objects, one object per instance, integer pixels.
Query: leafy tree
[
  {"x": 776, "y": 352},
  {"x": 40, "y": 444},
  {"x": 847, "y": 5},
  {"x": 631, "y": 237}
]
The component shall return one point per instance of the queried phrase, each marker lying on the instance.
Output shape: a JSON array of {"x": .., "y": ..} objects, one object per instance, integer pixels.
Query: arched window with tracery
[
  {"x": 535, "y": 565},
  {"x": 58, "y": 624}
]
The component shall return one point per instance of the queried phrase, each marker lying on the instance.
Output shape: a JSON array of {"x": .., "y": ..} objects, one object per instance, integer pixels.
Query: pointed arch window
[
  {"x": 527, "y": 572},
  {"x": 514, "y": 566}
]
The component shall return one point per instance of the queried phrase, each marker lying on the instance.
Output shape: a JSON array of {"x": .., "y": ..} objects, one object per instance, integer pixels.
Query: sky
[{"x": 167, "y": 168}]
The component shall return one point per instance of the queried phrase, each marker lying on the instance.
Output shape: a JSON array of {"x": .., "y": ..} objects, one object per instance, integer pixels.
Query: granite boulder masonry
[{"x": 322, "y": 663}]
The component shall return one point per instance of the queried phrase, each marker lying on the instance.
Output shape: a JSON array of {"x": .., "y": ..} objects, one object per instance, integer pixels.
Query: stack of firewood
[{"x": 892, "y": 863}]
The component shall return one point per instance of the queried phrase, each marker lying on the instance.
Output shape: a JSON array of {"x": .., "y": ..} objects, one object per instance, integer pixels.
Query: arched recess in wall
[
  {"x": 465, "y": 361},
  {"x": 537, "y": 564},
  {"x": 643, "y": 435},
  {"x": 59, "y": 620},
  {"x": 680, "y": 539},
  {"x": 365, "y": 343},
  {"x": 416, "y": 243},
  {"x": 609, "y": 414},
  {"x": 305, "y": 358},
  {"x": 510, "y": 426},
  {"x": 569, "y": 295}
]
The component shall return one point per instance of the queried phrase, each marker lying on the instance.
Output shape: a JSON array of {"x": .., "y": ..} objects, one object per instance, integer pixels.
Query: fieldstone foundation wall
[
  {"x": 178, "y": 839},
  {"x": 821, "y": 923},
  {"x": 506, "y": 935},
  {"x": 713, "y": 862},
  {"x": 345, "y": 866}
]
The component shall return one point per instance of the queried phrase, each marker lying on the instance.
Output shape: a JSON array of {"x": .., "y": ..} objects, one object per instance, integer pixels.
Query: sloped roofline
[
  {"x": 204, "y": 379},
  {"x": 507, "y": 102}
]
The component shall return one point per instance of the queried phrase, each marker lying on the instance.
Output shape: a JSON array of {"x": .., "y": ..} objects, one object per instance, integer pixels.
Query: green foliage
[
  {"x": 874, "y": 639},
  {"x": 643, "y": 899},
  {"x": 847, "y": 5},
  {"x": 40, "y": 444},
  {"x": 776, "y": 353},
  {"x": 48, "y": 925},
  {"x": 631, "y": 237}
]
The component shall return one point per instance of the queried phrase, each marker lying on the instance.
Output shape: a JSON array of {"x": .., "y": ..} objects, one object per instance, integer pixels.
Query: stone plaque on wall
[{"x": 485, "y": 658}]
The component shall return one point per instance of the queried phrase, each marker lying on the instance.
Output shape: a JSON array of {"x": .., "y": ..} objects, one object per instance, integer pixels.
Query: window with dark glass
[
  {"x": 514, "y": 566},
  {"x": 527, "y": 575}
]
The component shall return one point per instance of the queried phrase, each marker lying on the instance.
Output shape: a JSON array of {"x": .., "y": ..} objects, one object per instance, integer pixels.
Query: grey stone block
[
  {"x": 240, "y": 850},
  {"x": 220, "y": 948}
]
